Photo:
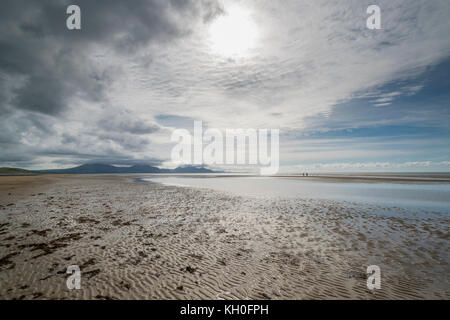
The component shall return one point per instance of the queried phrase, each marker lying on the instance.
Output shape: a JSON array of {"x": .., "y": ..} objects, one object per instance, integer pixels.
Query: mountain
[
  {"x": 96, "y": 168},
  {"x": 91, "y": 168},
  {"x": 192, "y": 169}
]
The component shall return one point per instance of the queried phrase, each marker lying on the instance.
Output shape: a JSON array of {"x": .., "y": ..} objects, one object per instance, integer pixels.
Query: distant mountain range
[{"x": 95, "y": 168}]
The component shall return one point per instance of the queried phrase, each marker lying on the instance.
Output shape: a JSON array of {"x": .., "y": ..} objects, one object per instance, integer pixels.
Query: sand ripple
[{"x": 148, "y": 241}]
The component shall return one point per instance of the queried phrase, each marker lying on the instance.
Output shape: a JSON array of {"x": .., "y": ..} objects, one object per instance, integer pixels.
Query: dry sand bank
[{"x": 140, "y": 240}]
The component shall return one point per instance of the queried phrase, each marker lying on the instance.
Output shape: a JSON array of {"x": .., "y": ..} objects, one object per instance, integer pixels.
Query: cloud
[
  {"x": 46, "y": 70},
  {"x": 371, "y": 166},
  {"x": 308, "y": 61},
  {"x": 113, "y": 89},
  {"x": 123, "y": 123},
  {"x": 382, "y": 104},
  {"x": 57, "y": 64},
  {"x": 386, "y": 99}
]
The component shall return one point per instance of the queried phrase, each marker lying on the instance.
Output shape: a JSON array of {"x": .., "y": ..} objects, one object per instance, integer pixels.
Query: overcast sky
[{"x": 344, "y": 97}]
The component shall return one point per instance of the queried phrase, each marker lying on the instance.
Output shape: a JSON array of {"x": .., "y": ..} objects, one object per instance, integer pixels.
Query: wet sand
[
  {"x": 352, "y": 178},
  {"x": 374, "y": 178},
  {"x": 149, "y": 241}
]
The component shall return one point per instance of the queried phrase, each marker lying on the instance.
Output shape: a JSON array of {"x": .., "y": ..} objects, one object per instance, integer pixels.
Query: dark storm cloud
[
  {"x": 127, "y": 124},
  {"x": 35, "y": 44},
  {"x": 117, "y": 160},
  {"x": 44, "y": 66}
]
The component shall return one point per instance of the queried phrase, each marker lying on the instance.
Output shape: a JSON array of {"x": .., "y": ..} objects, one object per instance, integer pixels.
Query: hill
[{"x": 98, "y": 168}]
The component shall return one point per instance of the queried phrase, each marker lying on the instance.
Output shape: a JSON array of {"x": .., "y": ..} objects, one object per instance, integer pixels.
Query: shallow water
[{"x": 429, "y": 196}]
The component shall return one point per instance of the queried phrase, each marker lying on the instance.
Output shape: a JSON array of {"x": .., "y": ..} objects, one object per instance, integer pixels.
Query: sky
[{"x": 344, "y": 97}]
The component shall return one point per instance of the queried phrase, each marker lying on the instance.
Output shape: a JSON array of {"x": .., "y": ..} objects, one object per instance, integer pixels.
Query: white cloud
[
  {"x": 311, "y": 56},
  {"x": 369, "y": 166}
]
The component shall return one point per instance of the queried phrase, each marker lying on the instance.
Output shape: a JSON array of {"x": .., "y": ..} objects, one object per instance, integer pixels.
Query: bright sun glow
[{"x": 234, "y": 33}]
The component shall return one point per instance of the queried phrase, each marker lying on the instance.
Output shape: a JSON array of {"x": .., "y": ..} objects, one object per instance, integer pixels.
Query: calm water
[{"x": 430, "y": 196}]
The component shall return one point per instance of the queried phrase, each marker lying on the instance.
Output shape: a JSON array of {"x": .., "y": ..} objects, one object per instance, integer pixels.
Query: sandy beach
[{"x": 136, "y": 240}]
